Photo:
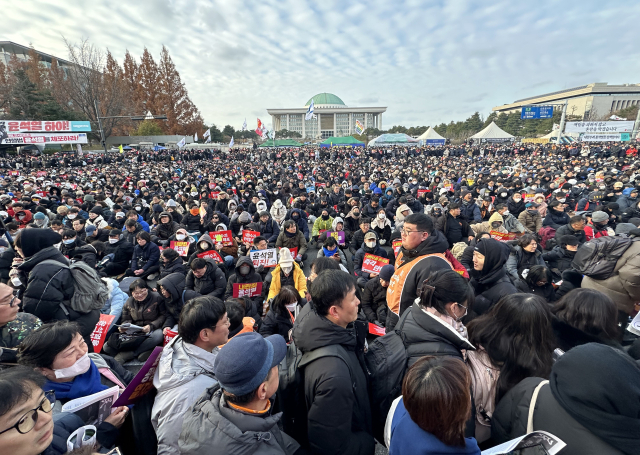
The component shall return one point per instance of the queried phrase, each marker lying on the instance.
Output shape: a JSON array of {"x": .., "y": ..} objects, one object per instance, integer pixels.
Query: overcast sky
[{"x": 427, "y": 61}]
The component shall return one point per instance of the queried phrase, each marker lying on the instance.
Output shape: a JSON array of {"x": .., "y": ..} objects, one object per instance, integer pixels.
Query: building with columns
[{"x": 333, "y": 118}]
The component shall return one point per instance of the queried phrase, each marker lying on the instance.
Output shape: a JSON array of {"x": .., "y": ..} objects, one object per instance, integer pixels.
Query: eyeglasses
[
  {"x": 466, "y": 310},
  {"x": 406, "y": 233},
  {"x": 139, "y": 292},
  {"x": 13, "y": 299},
  {"x": 30, "y": 418}
]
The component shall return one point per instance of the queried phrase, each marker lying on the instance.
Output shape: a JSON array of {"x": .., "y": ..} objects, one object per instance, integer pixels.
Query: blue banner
[{"x": 536, "y": 112}]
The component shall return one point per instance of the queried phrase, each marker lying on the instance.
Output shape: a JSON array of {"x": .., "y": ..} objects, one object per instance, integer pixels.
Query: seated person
[
  {"x": 172, "y": 288},
  {"x": 282, "y": 313},
  {"x": 245, "y": 272},
  {"x": 330, "y": 249},
  {"x": 171, "y": 262},
  {"x": 291, "y": 237},
  {"x": 206, "y": 278},
  {"x": 286, "y": 273},
  {"x": 239, "y": 322},
  {"x": 145, "y": 262},
  {"x": 336, "y": 226},
  {"x": 14, "y": 325},
  {"x": 369, "y": 246},
  {"x": 121, "y": 251},
  {"x": 145, "y": 308},
  {"x": 228, "y": 252},
  {"x": 374, "y": 297},
  {"x": 58, "y": 351}
]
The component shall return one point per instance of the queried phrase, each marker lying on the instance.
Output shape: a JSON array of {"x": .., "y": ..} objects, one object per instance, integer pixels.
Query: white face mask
[
  {"x": 370, "y": 244},
  {"x": 113, "y": 240},
  {"x": 72, "y": 217},
  {"x": 505, "y": 213},
  {"x": 16, "y": 281},
  {"x": 562, "y": 200},
  {"x": 81, "y": 366},
  {"x": 204, "y": 245},
  {"x": 287, "y": 268},
  {"x": 291, "y": 306},
  {"x": 381, "y": 216},
  {"x": 180, "y": 236}
]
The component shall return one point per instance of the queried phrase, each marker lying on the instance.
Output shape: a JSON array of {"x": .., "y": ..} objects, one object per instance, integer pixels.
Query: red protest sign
[
  {"x": 501, "y": 236},
  {"x": 397, "y": 244},
  {"x": 182, "y": 248},
  {"x": 375, "y": 330},
  {"x": 373, "y": 263},
  {"x": 211, "y": 254},
  {"x": 224, "y": 237},
  {"x": 246, "y": 289},
  {"x": 170, "y": 335},
  {"x": 41, "y": 174},
  {"x": 294, "y": 252},
  {"x": 248, "y": 236},
  {"x": 99, "y": 334},
  {"x": 214, "y": 194},
  {"x": 529, "y": 197},
  {"x": 321, "y": 185},
  {"x": 422, "y": 192}
]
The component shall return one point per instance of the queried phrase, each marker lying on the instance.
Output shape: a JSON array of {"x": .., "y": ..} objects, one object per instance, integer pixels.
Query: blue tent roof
[{"x": 158, "y": 147}]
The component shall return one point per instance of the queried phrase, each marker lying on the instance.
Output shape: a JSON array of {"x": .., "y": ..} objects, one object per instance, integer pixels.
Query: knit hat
[
  {"x": 569, "y": 240},
  {"x": 285, "y": 257},
  {"x": 90, "y": 229},
  {"x": 245, "y": 361},
  {"x": 387, "y": 272},
  {"x": 120, "y": 215},
  {"x": 97, "y": 210},
  {"x": 624, "y": 228},
  {"x": 244, "y": 217},
  {"x": 34, "y": 240},
  {"x": 599, "y": 216},
  {"x": 39, "y": 216},
  {"x": 114, "y": 233}
]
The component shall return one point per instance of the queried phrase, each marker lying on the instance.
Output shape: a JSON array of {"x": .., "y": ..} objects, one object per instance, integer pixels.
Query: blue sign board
[
  {"x": 80, "y": 126},
  {"x": 534, "y": 112}
]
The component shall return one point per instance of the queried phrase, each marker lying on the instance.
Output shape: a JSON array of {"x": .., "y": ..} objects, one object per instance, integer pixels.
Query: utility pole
[
  {"x": 564, "y": 113},
  {"x": 636, "y": 126},
  {"x": 104, "y": 143}
]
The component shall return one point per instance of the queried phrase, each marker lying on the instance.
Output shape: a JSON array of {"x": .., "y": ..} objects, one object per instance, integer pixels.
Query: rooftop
[{"x": 325, "y": 99}]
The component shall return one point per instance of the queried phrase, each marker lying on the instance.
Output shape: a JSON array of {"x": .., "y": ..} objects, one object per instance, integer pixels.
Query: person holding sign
[
  {"x": 286, "y": 273},
  {"x": 291, "y": 237},
  {"x": 382, "y": 226},
  {"x": 245, "y": 272},
  {"x": 228, "y": 252},
  {"x": 370, "y": 246}
]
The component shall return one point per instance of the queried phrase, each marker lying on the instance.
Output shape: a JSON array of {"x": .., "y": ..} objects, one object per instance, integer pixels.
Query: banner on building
[
  {"x": 41, "y": 138},
  {"x": 599, "y": 127},
  {"x": 26, "y": 126},
  {"x": 604, "y": 137}
]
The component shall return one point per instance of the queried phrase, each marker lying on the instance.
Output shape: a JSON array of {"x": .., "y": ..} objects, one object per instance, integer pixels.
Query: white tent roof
[
  {"x": 429, "y": 134},
  {"x": 492, "y": 131}
]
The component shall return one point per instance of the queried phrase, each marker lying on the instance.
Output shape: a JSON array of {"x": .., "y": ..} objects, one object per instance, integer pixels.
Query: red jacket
[
  {"x": 24, "y": 221},
  {"x": 592, "y": 232}
]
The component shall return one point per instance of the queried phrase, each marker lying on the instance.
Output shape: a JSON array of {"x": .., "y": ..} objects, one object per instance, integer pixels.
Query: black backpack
[
  {"x": 386, "y": 362},
  {"x": 597, "y": 258},
  {"x": 291, "y": 397}
]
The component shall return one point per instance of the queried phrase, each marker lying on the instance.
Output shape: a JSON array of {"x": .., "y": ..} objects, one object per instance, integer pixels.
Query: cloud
[{"x": 427, "y": 61}]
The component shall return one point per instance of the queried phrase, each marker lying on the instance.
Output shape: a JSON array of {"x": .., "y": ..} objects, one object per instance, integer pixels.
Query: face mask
[
  {"x": 287, "y": 268},
  {"x": 370, "y": 244},
  {"x": 16, "y": 281},
  {"x": 80, "y": 367},
  {"x": 291, "y": 306},
  {"x": 325, "y": 217},
  {"x": 245, "y": 269},
  {"x": 72, "y": 217},
  {"x": 517, "y": 199},
  {"x": 495, "y": 225},
  {"x": 180, "y": 236},
  {"x": 381, "y": 216},
  {"x": 40, "y": 222},
  {"x": 503, "y": 194},
  {"x": 204, "y": 245},
  {"x": 113, "y": 240},
  {"x": 138, "y": 209},
  {"x": 21, "y": 217},
  {"x": 561, "y": 200},
  {"x": 356, "y": 213},
  {"x": 68, "y": 241}
]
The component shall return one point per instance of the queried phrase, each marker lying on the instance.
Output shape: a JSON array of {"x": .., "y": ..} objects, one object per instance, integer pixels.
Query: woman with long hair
[
  {"x": 514, "y": 341},
  {"x": 282, "y": 313}
]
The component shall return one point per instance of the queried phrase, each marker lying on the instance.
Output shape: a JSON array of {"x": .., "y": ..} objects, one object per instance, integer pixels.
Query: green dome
[{"x": 325, "y": 98}]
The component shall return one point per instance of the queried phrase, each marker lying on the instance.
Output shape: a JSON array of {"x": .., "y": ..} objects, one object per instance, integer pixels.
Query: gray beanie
[{"x": 599, "y": 217}]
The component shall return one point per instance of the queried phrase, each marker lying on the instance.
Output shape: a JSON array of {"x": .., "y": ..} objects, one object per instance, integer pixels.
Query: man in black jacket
[
  {"x": 206, "y": 278},
  {"x": 122, "y": 252},
  {"x": 335, "y": 386},
  {"x": 374, "y": 297},
  {"x": 575, "y": 228},
  {"x": 454, "y": 227}
]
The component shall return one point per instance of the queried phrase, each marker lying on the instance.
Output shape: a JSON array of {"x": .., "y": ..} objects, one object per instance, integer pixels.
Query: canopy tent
[
  {"x": 492, "y": 133},
  {"x": 346, "y": 141},
  {"x": 431, "y": 137},
  {"x": 392, "y": 139},
  {"x": 158, "y": 147},
  {"x": 126, "y": 147},
  {"x": 280, "y": 143}
]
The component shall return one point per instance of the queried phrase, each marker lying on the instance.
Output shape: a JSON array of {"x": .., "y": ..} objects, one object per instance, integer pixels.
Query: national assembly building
[{"x": 333, "y": 118}]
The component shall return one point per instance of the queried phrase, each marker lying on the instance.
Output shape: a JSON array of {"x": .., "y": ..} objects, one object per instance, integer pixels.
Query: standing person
[
  {"x": 431, "y": 415},
  {"x": 422, "y": 252},
  {"x": 234, "y": 415},
  {"x": 335, "y": 388},
  {"x": 186, "y": 367}
]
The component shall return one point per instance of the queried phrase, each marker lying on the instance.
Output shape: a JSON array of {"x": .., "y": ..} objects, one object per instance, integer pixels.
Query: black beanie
[{"x": 34, "y": 240}]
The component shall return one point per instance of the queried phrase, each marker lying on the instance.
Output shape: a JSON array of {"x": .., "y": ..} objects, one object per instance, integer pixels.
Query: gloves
[
  {"x": 383, "y": 241},
  {"x": 299, "y": 257}
]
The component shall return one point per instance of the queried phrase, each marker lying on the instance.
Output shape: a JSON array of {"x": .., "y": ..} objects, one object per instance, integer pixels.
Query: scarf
[
  {"x": 328, "y": 253},
  {"x": 81, "y": 386}
]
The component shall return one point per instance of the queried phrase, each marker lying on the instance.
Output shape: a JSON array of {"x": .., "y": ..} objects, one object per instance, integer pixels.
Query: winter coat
[
  {"x": 278, "y": 211},
  {"x": 625, "y": 200},
  {"x": 470, "y": 212},
  {"x": 559, "y": 259},
  {"x": 210, "y": 425},
  {"x": 382, "y": 228},
  {"x": 184, "y": 371},
  {"x": 203, "y": 238},
  {"x": 273, "y": 281},
  {"x": 50, "y": 287},
  {"x": 623, "y": 286},
  {"x": 321, "y": 225},
  {"x": 122, "y": 253},
  {"x": 517, "y": 261},
  {"x": 555, "y": 219},
  {"x": 176, "y": 266},
  {"x": 130, "y": 237},
  {"x": 358, "y": 259},
  {"x": 568, "y": 230},
  {"x": 511, "y": 224},
  {"x": 269, "y": 230},
  {"x": 374, "y": 299},
  {"x": 277, "y": 324},
  {"x": 213, "y": 282},
  {"x": 568, "y": 337},
  {"x": 591, "y": 231},
  {"x": 492, "y": 283},
  {"x": 455, "y": 229},
  {"x": 117, "y": 299},
  {"x": 99, "y": 222},
  {"x": 191, "y": 222},
  {"x": 531, "y": 220},
  {"x": 515, "y": 208},
  {"x": 151, "y": 311},
  {"x": 486, "y": 225},
  {"x": 166, "y": 230},
  {"x": 145, "y": 256},
  {"x": 300, "y": 218},
  {"x": 254, "y": 304},
  {"x": 412, "y": 268},
  {"x": 297, "y": 241},
  {"x": 175, "y": 285},
  {"x": 339, "y": 413}
]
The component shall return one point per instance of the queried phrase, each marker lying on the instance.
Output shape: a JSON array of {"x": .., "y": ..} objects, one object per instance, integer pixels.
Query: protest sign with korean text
[
  {"x": 224, "y": 237},
  {"x": 211, "y": 254},
  {"x": 99, "y": 334},
  {"x": 142, "y": 383},
  {"x": 397, "y": 244},
  {"x": 248, "y": 236},
  {"x": 339, "y": 236},
  {"x": 502, "y": 237},
  {"x": 266, "y": 258},
  {"x": 246, "y": 289},
  {"x": 373, "y": 263},
  {"x": 182, "y": 248}
]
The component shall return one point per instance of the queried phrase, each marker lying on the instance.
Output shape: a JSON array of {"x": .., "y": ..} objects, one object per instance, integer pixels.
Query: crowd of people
[{"x": 505, "y": 278}]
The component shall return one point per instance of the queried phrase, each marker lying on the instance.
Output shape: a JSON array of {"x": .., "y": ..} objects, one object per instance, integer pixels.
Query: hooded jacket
[
  {"x": 598, "y": 416},
  {"x": 212, "y": 426},
  {"x": 203, "y": 238},
  {"x": 382, "y": 228},
  {"x": 625, "y": 200},
  {"x": 269, "y": 230},
  {"x": 145, "y": 256},
  {"x": 274, "y": 283},
  {"x": 301, "y": 220},
  {"x": 491, "y": 283},
  {"x": 251, "y": 277},
  {"x": 515, "y": 264},
  {"x": 213, "y": 282},
  {"x": 555, "y": 219},
  {"x": 175, "y": 266},
  {"x": 278, "y": 211},
  {"x": 166, "y": 230},
  {"x": 184, "y": 371},
  {"x": 175, "y": 285},
  {"x": 412, "y": 268},
  {"x": 486, "y": 225},
  {"x": 321, "y": 225},
  {"x": 338, "y": 409},
  {"x": 122, "y": 252}
]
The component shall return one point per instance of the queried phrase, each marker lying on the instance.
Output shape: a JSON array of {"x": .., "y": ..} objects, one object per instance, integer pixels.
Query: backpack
[
  {"x": 291, "y": 395},
  {"x": 597, "y": 258},
  {"x": 386, "y": 362},
  {"x": 546, "y": 233},
  {"x": 89, "y": 291}
]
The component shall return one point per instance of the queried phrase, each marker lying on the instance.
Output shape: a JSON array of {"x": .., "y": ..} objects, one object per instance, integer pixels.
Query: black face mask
[{"x": 325, "y": 217}]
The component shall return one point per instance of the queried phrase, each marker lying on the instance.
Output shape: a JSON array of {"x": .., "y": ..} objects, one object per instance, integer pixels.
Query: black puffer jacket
[
  {"x": 568, "y": 337},
  {"x": 174, "y": 283},
  {"x": 276, "y": 324},
  {"x": 122, "y": 252},
  {"x": 339, "y": 413},
  {"x": 374, "y": 298},
  {"x": 175, "y": 266},
  {"x": 49, "y": 287},
  {"x": 191, "y": 222},
  {"x": 568, "y": 230},
  {"x": 254, "y": 304},
  {"x": 491, "y": 283},
  {"x": 555, "y": 219},
  {"x": 559, "y": 259},
  {"x": 162, "y": 231},
  {"x": 213, "y": 282}
]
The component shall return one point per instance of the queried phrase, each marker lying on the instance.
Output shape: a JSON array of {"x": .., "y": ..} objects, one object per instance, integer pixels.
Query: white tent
[
  {"x": 431, "y": 137},
  {"x": 492, "y": 133}
]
